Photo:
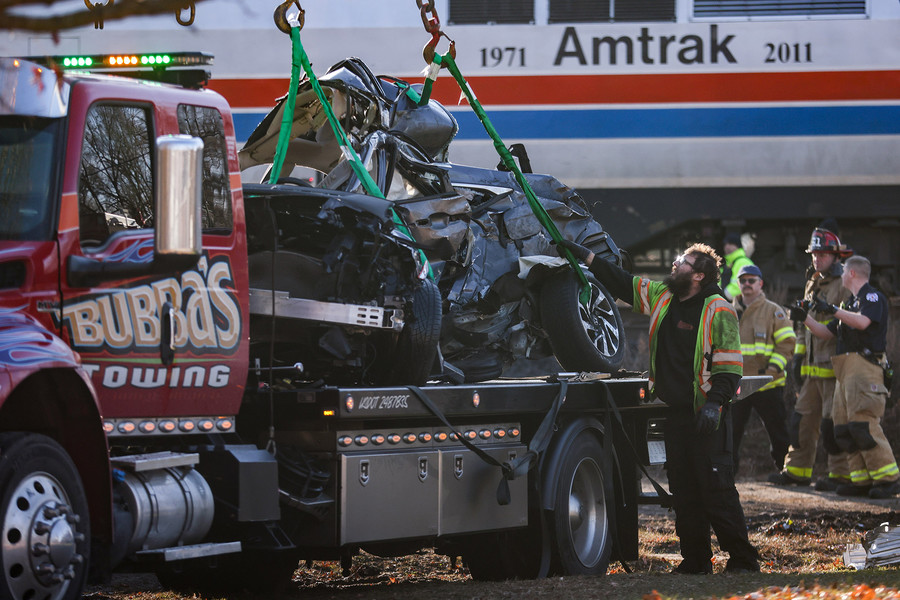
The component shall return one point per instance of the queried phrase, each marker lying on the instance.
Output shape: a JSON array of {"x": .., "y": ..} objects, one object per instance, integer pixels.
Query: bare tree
[{"x": 13, "y": 15}]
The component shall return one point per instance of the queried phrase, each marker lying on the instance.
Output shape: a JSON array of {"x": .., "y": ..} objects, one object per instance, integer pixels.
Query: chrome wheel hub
[{"x": 40, "y": 539}]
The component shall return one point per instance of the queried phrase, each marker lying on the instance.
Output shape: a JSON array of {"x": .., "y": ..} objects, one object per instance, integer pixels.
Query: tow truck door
[{"x": 122, "y": 327}]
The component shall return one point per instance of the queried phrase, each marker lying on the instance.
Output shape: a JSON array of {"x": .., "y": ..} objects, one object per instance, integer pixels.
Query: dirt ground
[{"x": 801, "y": 535}]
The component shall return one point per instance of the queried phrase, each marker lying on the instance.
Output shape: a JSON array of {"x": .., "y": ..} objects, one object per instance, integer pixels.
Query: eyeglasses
[
  {"x": 748, "y": 280},
  {"x": 682, "y": 260}
]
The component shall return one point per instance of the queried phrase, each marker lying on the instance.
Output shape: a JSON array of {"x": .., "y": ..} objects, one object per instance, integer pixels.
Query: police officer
[
  {"x": 767, "y": 340},
  {"x": 812, "y": 364},
  {"x": 860, "y": 326},
  {"x": 695, "y": 368}
]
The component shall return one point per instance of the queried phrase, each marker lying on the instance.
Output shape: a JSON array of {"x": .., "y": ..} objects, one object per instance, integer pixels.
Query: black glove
[
  {"x": 823, "y": 307},
  {"x": 707, "y": 420},
  {"x": 796, "y": 367},
  {"x": 799, "y": 310},
  {"x": 578, "y": 251}
]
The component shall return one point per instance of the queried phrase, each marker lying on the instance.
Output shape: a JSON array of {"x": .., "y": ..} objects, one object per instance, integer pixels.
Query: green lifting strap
[
  {"x": 300, "y": 59},
  {"x": 536, "y": 207}
]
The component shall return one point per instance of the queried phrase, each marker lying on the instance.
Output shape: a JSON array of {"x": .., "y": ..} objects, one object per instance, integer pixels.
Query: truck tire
[
  {"x": 583, "y": 339},
  {"x": 582, "y": 539},
  {"x": 417, "y": 347},
  {"x": 46, "y": 526}
]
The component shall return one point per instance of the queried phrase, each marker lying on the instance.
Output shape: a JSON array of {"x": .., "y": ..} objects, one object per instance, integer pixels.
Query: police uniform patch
[{"x": 872, "y": 297}]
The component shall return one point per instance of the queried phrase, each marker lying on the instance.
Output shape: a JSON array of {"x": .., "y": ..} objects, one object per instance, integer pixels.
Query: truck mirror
[
  {"x": 178, "y": 236},
  {"x": 179, "y": 180}
]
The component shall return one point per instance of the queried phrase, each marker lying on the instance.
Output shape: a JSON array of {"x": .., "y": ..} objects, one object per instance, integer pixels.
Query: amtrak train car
[{"x": 679, "y": 120}]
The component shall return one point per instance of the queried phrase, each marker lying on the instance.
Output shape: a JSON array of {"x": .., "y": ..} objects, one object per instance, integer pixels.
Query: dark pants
[
  {"x": 769, "y": 405},
  {"x": 701, "y": 479}
]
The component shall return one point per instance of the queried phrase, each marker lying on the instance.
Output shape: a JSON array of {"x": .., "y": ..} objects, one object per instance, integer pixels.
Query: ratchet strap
[
  {"x": 521, "y": 464},
  {"x": 299, "y": 59},
  {"x": 506, "y": 157}
]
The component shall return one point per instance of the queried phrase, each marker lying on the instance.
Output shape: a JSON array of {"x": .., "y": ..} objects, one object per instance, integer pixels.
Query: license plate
[{"x": 657, "y": 452}]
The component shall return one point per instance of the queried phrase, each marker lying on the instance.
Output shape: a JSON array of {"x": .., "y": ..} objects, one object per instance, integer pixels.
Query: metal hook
[
  {"x": 429, "y": 50},
  {"x": 283, "y": 20},
  {"x": 98, "y": 19},
  {"x": 190, "y": 21}
]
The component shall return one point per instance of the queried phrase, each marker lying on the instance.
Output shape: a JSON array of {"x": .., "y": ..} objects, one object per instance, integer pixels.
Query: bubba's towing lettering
[
  {"x": 116, "y": 376},
  {"x": 127, "y": 320},
  {"x": 383, "y": 402},
  {"x": 688, "y": 49}
]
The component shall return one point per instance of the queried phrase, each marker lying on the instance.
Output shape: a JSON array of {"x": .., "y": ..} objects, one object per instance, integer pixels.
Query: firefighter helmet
[{"x": 823, "y": 240}]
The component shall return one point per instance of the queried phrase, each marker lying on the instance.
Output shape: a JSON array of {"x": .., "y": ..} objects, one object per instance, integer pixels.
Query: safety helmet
[{"x": 823, "y": 240}]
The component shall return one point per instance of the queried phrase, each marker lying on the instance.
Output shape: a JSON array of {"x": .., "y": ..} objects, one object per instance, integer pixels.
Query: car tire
[
  {"x": 583, "y": 338},
  {"x": 418, "y": 342}
]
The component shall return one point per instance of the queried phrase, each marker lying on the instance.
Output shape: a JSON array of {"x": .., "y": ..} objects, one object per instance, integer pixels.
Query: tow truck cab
[{"x": 120, "y": 312}]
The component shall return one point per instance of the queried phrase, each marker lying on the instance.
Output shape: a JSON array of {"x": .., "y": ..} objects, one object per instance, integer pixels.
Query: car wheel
[
  {"x": 583, "y": 337},
  {"x": 418, "y": 342}
]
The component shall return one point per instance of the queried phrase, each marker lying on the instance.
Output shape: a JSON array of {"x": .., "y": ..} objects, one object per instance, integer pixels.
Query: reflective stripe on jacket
[
  {"x": 734, "y": 262},
  {"x": 767, "y": 339},
  {"x": 817, "y": 352},
  {"x": 718, "y": 341}
]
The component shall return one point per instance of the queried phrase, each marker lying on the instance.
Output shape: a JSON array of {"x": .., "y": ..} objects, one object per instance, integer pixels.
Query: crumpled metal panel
[
  {"x": 440, "y": 225},
  {"x": 880, "y": 548}
]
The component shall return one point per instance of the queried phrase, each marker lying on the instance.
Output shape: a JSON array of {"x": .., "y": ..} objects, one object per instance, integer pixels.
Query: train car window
[
  {"x": 497, "y": 11},
  {"x": 115, "y": 188},
  {"x": 767, "y": 8},
  {"x": 608, "y": 11},
  {"x": 206, "y": 123}
]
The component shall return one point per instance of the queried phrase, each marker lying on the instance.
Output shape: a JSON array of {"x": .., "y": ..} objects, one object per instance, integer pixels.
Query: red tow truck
[{"x": 139, "y": 431}]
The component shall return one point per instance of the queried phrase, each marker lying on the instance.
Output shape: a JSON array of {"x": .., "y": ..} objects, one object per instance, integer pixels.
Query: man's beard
[{"x": 678, "y": 283}]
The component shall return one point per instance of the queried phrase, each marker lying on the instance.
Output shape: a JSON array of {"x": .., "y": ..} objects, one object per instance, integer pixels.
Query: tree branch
[{"x": 80, "y": 18}]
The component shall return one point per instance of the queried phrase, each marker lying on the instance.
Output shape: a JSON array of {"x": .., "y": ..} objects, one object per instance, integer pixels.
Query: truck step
[
  {"x": 156, "y": 460},
  {"x": 177, "y": 553}
]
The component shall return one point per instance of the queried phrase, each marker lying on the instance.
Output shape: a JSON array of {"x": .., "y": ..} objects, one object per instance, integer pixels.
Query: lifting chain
[
  {"x": 190, "y": 20},
  {"x": 433, "y": 26}
]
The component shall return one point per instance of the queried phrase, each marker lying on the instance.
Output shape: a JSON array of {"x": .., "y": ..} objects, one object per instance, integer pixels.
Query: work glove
[
  {"x": 796, "y": 367},
  {"x": 824, "y": 307},
  {"x": 707, "y": 420},
  {"x": 578, "y": 251},
  {"x": 799, "y": 310}
]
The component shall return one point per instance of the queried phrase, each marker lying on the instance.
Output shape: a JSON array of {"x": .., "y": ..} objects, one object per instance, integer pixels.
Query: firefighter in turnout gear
[
  {"x": 695, "y": 368},
  {"x": 813, "y": 412},
  {"x": 860, "y": 326},
  {"x": 767, "y": 340}
]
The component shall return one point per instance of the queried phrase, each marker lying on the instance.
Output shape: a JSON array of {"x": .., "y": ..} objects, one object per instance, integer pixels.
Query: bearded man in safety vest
[
  {"x": 695, "y": 368},
  {"x": 813, "y": 412}
]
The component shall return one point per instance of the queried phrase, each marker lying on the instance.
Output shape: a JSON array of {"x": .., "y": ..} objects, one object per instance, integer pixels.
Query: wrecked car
[
  {"x": 345, "y": 288},
  {"x": 504, "y": 293}
]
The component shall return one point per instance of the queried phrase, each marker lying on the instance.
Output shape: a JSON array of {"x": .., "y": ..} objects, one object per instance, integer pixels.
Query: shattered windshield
[{"x": 27, "y": 176}]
